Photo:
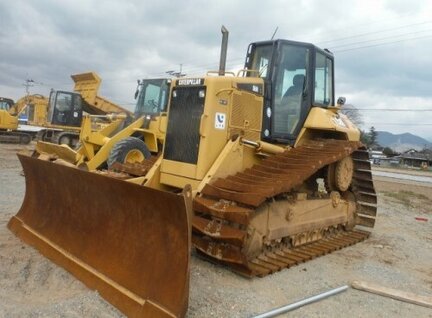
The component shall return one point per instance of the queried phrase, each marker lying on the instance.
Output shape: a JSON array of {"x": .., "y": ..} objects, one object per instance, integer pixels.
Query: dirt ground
[{"x": 398, "y": 255}]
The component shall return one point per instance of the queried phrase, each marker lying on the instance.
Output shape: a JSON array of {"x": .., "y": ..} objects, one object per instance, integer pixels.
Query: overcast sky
[{"x": 382, "y": 49}]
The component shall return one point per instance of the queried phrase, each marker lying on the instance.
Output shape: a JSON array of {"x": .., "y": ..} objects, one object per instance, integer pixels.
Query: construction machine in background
[
  {"x": 66, "y": 110},
  {"x": 12, "y": 129},
  {"x": 278, "y": 176},
  {"x": 31, "y": 110},
  {"x": 58, "y": 119},
  {"x": 9, "y": 123},
  {"x": 113, "y": 147}
]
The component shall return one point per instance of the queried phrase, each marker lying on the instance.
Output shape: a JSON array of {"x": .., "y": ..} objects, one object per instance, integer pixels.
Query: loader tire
[{"x": 128, "y": 150}]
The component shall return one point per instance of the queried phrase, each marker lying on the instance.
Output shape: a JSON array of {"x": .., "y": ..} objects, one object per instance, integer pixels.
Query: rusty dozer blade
[{"x": 130, "y": 243}]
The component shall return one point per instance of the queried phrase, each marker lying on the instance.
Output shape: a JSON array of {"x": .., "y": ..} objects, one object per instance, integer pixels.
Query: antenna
[{"x": 274, "y": 33}]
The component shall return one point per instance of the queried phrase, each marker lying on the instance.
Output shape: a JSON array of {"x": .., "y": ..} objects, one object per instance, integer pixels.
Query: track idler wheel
[{"x": 340, "y": 175}]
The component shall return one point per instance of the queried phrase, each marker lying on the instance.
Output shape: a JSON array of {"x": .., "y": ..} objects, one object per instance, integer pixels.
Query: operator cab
[
  {"x": 65, "y": 108},
  {"x": 152, "y": 97},
  {"x": 297, "y": 76},
  {"x": 6, "y": 103}
]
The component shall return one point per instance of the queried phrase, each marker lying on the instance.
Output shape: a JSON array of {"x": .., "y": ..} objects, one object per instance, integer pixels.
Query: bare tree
[{"x": 353, "y": 114}]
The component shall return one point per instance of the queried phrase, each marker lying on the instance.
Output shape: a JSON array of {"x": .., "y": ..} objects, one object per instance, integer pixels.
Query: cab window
[
  {"x": 261, "y": 61},
  {"x": 323, "y": 91},
  {"x": 4, "y": 105},
  {"x": 153, "y": 97}
]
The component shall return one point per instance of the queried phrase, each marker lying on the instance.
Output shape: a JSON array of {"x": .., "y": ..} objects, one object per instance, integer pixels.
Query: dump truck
[
  {"x": 66, "y": 109},
  {"x": 275, "y": 175}
]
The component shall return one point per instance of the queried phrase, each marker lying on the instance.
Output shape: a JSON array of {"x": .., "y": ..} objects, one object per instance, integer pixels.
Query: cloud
[{"x": 122, "y": 41}]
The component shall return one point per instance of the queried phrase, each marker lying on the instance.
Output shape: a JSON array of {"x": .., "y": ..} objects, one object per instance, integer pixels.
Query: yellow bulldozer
[{"x": 275, "y": 175}]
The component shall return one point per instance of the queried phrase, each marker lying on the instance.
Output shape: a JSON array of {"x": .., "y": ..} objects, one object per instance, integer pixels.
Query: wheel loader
[
  {"x": 114, "y": 147},
  {"x": 274, "y": 173}
]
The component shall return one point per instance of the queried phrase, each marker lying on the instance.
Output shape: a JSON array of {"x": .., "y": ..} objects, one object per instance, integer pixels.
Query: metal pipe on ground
[{"x": 298, "y": 304}]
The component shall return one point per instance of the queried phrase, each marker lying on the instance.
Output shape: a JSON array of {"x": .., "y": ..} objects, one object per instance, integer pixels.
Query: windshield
[
  {"x": 289, "y": 88},
  {"x": 5, "y": 105},
  {"x": 152, "y": 98}
]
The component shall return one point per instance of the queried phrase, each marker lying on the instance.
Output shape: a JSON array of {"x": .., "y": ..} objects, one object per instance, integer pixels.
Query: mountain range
[{"x": 402, "y": 142}]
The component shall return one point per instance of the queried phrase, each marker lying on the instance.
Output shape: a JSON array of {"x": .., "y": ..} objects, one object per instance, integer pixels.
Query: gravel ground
[{"x": 397, "y": 255}]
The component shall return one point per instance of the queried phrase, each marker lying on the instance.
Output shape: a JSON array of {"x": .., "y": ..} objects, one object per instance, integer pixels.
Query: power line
[
  {"x": 380, "y": 44},
  {"x": 399, "y": 124},
  {"x": 391, "y": 109},
  {"x": 375, "y": 32},
  {"x": 380, "y": 39}
]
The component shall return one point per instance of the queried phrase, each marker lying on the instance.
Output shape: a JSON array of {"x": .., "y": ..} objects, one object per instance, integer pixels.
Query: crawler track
[
  {"x": 14, "y": 137},
  {"x": 225, "y": 207}
]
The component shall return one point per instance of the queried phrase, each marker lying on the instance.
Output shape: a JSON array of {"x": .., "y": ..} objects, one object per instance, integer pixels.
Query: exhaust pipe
[{"x": 224, "y": 48}]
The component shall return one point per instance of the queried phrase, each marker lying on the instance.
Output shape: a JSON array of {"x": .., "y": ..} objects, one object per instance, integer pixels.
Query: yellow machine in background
[
  {"x": 66, "y": 109},
  {"x": 32, "y": 107},
  {"x": 132, "y": 144},
  {"x": 274, "y": 173},
  {"x": 7, "y": 121},
  {"x": 57, "y": 119}
]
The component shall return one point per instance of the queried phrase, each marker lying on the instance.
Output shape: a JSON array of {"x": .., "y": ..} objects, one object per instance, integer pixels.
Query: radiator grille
[
  {"x": 246, "y": 116},
  {"x": 182, "y": 138}
]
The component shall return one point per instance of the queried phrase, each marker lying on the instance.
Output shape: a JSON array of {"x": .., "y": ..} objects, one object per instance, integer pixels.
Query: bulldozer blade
[{"x": 131, "y": 243}]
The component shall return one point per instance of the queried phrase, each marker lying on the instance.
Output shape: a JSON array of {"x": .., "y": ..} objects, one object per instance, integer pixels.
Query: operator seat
[{"x": 297, "y": 88}]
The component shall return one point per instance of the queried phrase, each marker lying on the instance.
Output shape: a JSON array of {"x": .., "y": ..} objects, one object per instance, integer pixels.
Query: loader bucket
[{"x": 131, "y": 243}]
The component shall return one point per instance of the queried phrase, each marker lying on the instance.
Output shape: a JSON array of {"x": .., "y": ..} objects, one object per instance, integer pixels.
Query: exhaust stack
[{"x": 224, "y": 48}]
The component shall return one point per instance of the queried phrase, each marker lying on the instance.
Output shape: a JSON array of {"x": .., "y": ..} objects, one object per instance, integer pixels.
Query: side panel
[{"x": 321, "y": 120}]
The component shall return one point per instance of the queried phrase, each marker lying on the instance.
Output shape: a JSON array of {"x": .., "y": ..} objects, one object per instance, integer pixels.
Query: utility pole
[{"x": 28, "y": 83}]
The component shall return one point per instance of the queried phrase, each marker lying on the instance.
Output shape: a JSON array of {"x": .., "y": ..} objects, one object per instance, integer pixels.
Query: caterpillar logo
[{"x": 190, "y": 81}]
